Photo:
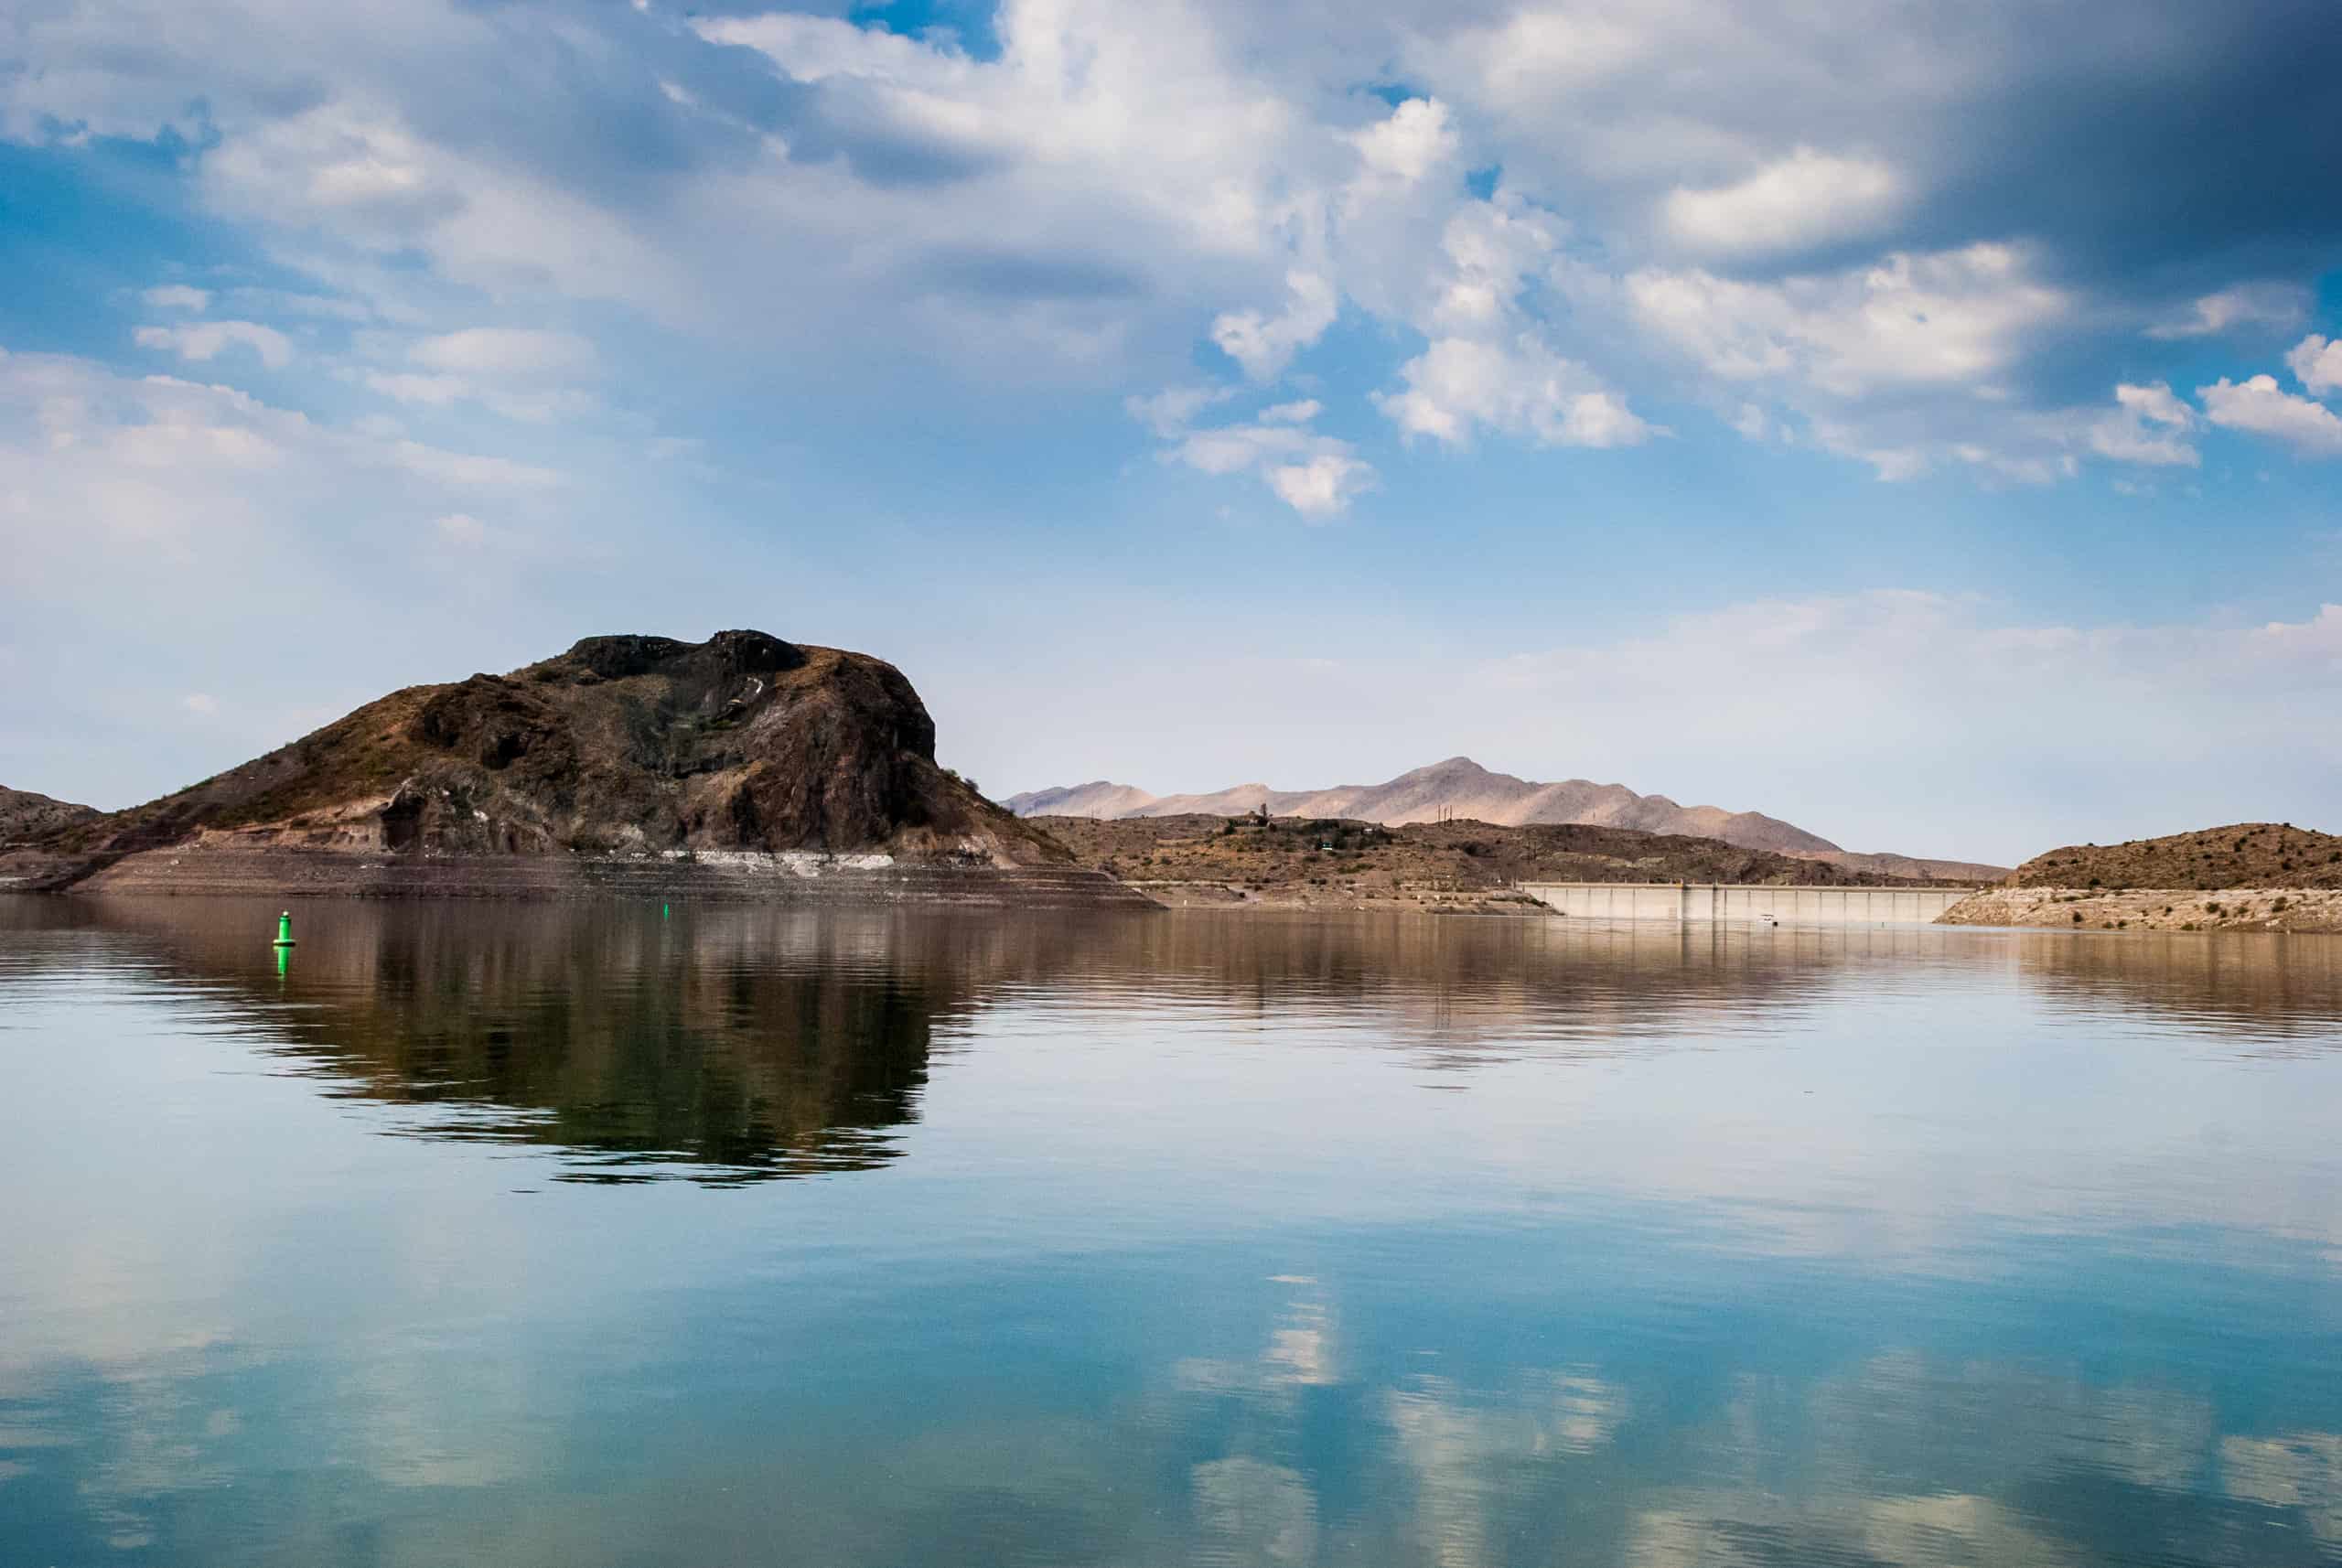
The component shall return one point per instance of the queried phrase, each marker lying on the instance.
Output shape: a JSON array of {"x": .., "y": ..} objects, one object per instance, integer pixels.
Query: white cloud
[
  {"x": 1300, "y": 413},
  {"x": 1418, "y": 136},
  {"x": 177, "y": 297},
  {"x": 158, "y": 473},
  {"x": 819, "y": 48},
  {"x": 1520, "y": 387},
  {"x": 203, "y": 340},
  {"x": 202, "y": 704},
  {"x": 1488, "y": 253},
  {"x": 1172, "y": 410},
  {"x": 1315, "y": 475},
  {"x": 1265, "y": 345},
  {"x": 470, "y": 471},
  {"x": 1805, "y": 199},
  {"x": 1111, "y": 182},
  {"x": 505, "y": 351},
  {"x": 2317, "y": 364},
  {"x": 1949, "y": 318},
  {"x": 355, "y": 169},
  {"x": 2277, "y": 305},
  {"x": 2259, "y": 406},
  {"x": 1320, "y": 485},
  {"x": 2150, "y": 426},
  {"x": 521, "y": 375}
]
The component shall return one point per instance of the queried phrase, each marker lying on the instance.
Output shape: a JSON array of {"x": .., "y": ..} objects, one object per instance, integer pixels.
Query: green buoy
[{"x": 283, "y": 930}]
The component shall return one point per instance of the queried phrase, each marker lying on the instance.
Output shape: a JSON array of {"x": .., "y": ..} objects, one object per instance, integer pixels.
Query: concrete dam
[{"x": 1717, "y": 901}]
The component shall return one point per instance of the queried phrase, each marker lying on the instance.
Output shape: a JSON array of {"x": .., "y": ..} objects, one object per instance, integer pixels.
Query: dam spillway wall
[{"x": 1720, "y": 901}]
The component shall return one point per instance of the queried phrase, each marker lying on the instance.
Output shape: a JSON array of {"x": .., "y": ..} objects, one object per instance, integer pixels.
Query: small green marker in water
[{"x": 284, "y": 930}]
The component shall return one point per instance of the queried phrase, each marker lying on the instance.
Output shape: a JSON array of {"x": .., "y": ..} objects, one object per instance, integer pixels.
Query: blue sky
[{"x": 1922, "y": 427}]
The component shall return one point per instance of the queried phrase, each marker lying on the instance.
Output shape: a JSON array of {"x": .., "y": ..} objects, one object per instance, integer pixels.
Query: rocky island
[{"x": 742, "y": 766}]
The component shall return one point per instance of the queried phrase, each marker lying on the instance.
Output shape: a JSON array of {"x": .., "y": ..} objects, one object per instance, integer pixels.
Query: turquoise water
[{"x": 539, "y": 1236}]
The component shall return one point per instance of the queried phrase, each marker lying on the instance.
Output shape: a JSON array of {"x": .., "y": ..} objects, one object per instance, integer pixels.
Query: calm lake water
[{"x": 498, "y": 1234}]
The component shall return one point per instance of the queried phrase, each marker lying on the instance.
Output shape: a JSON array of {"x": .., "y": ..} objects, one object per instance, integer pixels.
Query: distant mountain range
[{"x": 1461, "y": 787}]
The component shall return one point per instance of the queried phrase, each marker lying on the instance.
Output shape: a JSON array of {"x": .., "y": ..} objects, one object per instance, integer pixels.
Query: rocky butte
[{"x": 742, "y": 766}]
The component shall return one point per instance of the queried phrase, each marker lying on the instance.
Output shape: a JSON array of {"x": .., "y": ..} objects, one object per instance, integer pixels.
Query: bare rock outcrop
[
  {"x": 24, "y": 816},
  {"x": 623, "y": 747}
]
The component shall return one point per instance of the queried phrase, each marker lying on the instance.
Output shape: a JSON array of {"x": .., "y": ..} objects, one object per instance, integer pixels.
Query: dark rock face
[
  {"x": 24, "y": 816},
  {"x": 623, "y": 744}
]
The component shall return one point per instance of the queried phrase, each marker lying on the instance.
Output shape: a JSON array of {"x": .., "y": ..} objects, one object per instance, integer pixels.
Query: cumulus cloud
[
  {"x": 1490, "y": 253},
  {"x": 1265, "y": 344},
  {"x": 1321, "y": 485},
  {"x": 1316, "y": 475},
  {"x": 177, "y": 297},
  {"x": 1908, "y": 239},
  {"x": 1172, "y": 410},
  {"x": 2150, "y": 426},
  {"x": 2259, "y": 406},
  {"x": 1521, "y": 387},
  {"x": 2317, "y": 363},
  {"x": 1954, "y": 317},
  {"x": 203, "y": 340},
  {"x": 1804, "y": 200},
  {"x": 1418, "y": 136}
]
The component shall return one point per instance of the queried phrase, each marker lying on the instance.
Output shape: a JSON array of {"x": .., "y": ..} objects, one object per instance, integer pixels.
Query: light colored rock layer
[{"x": 2232, "y": 908}]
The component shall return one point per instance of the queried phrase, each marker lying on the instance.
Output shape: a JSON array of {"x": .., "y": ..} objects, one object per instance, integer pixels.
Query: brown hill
[
  {"x": 1461, "y": 788},
  {"x": 1201, "y": 858},
  {"x": 2247, "y": 854},
  {"x": 621, "y": 746},
  {"x": 24, "y": 816}
]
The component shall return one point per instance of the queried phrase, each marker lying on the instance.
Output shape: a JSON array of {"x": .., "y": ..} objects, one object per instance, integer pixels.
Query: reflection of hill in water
[
  {"x": 2259, "y": 991},
  {"x": 729, "y": 1046},
  {"x": 635, "y": 1052},
  {"x": 739, "y": 1044}
]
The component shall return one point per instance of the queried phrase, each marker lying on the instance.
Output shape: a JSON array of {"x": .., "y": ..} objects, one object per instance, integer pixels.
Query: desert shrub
[
  {"x": 2278, "y": 907},
  {"x": 2078, "y": 916}
]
